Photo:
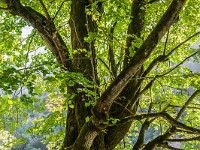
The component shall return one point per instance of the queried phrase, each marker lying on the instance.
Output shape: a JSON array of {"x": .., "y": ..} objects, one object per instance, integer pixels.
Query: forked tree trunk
[
  {"x": 81, "y": 24},
  {"x": 81, "y": 135}
]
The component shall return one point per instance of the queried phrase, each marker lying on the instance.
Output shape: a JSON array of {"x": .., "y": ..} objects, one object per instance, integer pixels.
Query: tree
[{"x": 117, "y": 65}]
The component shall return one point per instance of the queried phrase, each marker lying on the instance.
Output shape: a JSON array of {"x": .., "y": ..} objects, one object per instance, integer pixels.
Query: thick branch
[
  {"x": 85, "y": 138},
  {"x": 183, "y": 140},
  {"x": 45, "y": 28},
  {"x": 111, "y": 52},
  {"x": 163, "y": 115},
  {"x": 164, "y": 57},
  {"x": 186, "y": 104},
  {"x": 140, "y": 57},
  {"x": 172, "y": 130},
  {"x": 45, "y": 10},
  {"x": 140, "y": 140},
  {"x": 135, "y": 27}
]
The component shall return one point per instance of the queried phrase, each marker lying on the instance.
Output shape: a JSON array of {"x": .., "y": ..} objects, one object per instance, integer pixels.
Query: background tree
[{"x": 115, "y": 64}]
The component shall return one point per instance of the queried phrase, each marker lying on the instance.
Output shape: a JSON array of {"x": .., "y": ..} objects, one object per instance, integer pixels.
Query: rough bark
[
  {"x": 139, "y": 58},
  {"x": 81, "y": 24},
  {"x": 81, "y": 134},
  {"x": 116, "y": 133},
  {"x": 134, "y": 28},
  {"x": 111, "y": 54}
]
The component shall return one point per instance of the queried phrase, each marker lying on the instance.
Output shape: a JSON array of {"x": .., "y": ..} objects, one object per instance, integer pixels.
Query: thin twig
[
  {"x": 50, "y": 4},
  {"x": 125, "y": 108},
  {"x": 6, "y": 9},
  {"x": 165, "y": 145},
  {"x": 59, "y": 9},
  {"x": 105, "y": 65},
  {"x": 149, "y": 85},
  {"x": 103, "y": 30},
  {"x": 31, "y": 40},
  {"x": 183, "y": 43},
  {"x": 165, "y": 57},
  {"x": 166, "y": 42},
  {"x": 180, "y": 63}
]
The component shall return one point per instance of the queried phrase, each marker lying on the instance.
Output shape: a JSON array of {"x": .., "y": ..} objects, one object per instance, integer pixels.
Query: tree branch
[
  {"x": 51, "y": 4},
  {"x": 188, "y": 132},
  {"x": 59, "y": 9},
  {"x": 172, "y": 130},
  {"x": 166, "y": 145},
  {"x": 111, "y": 52},
  {"x": 149, "y": 85},
  {"x": 107, "y": 98},
  {"x": 182, "y": 140},
  {"x": 153, "y": 1},
  {"x": 140, "y": 140},
  {"x": 166, "y": 43},
  {"x": 179, "y": 64},
  {"x": 135, "y": 96},
  {"x": 160, "y": 58},
  {"x": 152, "y": 81},
  {"x": 124, "y": 108},
  {"x": 5, "y": 9},
  {"x": 45, "y": 28},
  {"x": 164, "y": 57},
  {"x": 138, "y": 145},
  {"x": 166, "y": 116},
  {"x": 182, "y": 43},
  {"x": 106, "y": 66},
  {"x": 181, "y": 107},
  {"x": 31, "y": 40},
  {"x": 135, "y": 27},
  {"x": 45, "y": 10},
  {"x": 186, "y": 104},
  {"x": 84, "y": 140}
]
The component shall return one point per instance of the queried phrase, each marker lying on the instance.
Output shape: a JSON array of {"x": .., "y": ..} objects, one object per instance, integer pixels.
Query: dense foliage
[{"x": 111, "y": 68}]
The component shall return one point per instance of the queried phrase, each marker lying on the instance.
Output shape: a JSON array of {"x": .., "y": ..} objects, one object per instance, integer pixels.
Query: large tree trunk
[
  {"x": 81, "y": 24},
  {"x": 91, "y": 135}
]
